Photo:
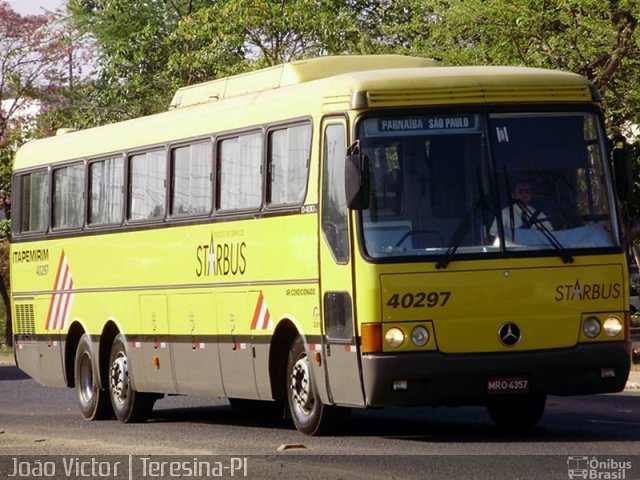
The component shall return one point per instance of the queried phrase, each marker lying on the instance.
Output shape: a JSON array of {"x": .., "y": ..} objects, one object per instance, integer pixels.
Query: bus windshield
[{"x": 474, "y": 183}]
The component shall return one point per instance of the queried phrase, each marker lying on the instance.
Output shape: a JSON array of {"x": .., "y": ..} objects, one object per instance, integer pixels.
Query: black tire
[
  {"x": 128, "y": 405},
  {"x": 516, "y": 412},
  {"x": 309, "y": 414},
  {"x": 94, "y": 402}
]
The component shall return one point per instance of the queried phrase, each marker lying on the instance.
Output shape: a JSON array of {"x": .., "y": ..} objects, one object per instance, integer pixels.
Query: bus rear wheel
[
  {"x": 129, "y": 405},
  {"x": 309, "y": 414},
  {"x": 515, "y": 412},
  {"x": 94, "y": 402}
]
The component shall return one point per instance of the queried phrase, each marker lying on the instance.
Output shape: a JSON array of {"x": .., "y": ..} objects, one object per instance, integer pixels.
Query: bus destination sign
[{"x": 439, "y": 122}]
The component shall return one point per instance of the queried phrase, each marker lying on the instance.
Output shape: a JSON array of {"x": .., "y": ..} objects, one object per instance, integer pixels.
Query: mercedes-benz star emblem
[{"x": 509, "y": 334}]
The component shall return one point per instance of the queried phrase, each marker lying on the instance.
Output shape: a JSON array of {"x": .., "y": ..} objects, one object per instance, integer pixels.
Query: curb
[{"x": 633, "y": 383}]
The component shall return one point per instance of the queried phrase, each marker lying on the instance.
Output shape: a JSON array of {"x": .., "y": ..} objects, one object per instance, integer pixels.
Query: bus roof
[
  {"x": 291, "y": 73},
  {"x": 308, "y": 88}
]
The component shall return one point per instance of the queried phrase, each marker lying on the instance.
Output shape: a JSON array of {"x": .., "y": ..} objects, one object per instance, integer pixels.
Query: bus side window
[
  {"x": 334, "y": 201},
  {"x": 34, "y": 201},
  {"x": 289, "y": 150},
  {"x": 192, "y": 173},
  {"x": 106, "y": 187},
  {"x": 148, "y": 173},
  {"x": 68, "y": 196},
  {"x": 240, "y": 172}
]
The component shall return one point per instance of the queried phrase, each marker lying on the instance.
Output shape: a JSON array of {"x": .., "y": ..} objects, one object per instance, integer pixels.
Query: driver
[{"x": 520, "y": 213}]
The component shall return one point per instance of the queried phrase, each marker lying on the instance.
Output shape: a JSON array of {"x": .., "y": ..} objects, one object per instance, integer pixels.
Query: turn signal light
[{"x": 371, "y": 337}]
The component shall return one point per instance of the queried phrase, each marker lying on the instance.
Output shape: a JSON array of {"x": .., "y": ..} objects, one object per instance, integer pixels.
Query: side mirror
[
  {"x": 356, "y": 176},
  {"x": 623, "y": 172}
]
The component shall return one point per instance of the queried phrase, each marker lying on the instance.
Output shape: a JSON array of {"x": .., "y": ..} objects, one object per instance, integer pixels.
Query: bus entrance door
[{"x": 341, "y": 357}]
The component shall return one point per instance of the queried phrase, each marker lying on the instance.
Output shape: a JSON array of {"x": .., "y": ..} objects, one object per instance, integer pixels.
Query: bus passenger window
[
  {"x": 147, "y": 185},
  {"x": 106, "y": 182},
  {"x": 34, "y": 199},
  {"x": 68, "y": 197},
  {"x": 289, "y": 151},
  {"x": 191, "y": 168},
  {"x": 240, "y": 172}
]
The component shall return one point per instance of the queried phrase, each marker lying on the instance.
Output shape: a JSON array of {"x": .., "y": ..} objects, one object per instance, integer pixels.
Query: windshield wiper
[
  {"x": 460, "y": 233},
  {"x": 535, "y": 220}
]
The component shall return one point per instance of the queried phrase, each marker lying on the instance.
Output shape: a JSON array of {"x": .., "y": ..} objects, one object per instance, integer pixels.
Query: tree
[
  {"x": 132, "y": 56},
  {"x": 228, "y": 36},
  {"x": 34, "y": 62},
  {"x": 595, "y": 38},
  {"x": 146, "y": 50}
]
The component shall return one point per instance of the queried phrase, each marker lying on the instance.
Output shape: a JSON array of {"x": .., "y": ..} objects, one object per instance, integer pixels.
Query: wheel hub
[
  {"x": 119, "y": 379},
  {"x": 300, "y": 386}
]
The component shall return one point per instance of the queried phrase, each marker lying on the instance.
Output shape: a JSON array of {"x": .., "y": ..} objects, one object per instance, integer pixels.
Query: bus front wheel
[
  {"x": 129, "y": 405},
  {"x": 515, "y": 412},
  {"x": 309, "y": 414},
  {"x": 94, "y": 402}
]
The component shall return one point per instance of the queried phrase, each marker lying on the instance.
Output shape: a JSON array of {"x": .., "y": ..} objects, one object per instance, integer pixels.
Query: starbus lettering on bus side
[{"x": 221, "y": 258}]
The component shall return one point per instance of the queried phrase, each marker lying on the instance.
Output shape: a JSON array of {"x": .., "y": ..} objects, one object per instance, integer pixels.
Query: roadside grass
[{"x": 5, "y": 352}]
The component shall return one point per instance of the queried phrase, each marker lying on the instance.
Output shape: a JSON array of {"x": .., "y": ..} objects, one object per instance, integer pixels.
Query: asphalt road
[{"x": 377, "y": 444}]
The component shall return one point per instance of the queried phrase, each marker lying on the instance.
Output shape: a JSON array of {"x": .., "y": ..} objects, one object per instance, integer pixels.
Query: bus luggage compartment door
[{"x": 235, "y": 348}]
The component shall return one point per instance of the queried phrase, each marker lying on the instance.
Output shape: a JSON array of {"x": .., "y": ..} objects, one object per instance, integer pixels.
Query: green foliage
[
  {"x": 5, "y": 228},
  {"x": 595, "y": 38},
  {"x": 203, "y": 47},
  {"x": 228, "y": 37},
  {"x": 148, "y": 49},
  {"x": 132, "y": 53},
  {"x": 13, "y": 138},
  {"x": 632, "y": 205}
]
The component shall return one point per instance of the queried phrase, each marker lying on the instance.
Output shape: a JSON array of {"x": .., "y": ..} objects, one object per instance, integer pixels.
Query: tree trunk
[
  {"x": 5, "y": 289},
  {"x": 8, "y": 330}
]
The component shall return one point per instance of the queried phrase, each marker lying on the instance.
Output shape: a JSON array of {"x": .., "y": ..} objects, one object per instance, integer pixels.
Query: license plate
[{"x": 508, "y": 384}]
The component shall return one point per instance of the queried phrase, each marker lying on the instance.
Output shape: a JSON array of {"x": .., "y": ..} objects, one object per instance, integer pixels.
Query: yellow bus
[{"x": 333, "y": 233}]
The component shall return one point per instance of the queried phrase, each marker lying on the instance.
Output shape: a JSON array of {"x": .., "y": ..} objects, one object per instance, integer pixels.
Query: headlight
[
  {"x": 592, "y": 327},
  {"x": 420, "y": 336},
  {"x": 612, "y": 326},
  {"x": 394, "y": 337}
]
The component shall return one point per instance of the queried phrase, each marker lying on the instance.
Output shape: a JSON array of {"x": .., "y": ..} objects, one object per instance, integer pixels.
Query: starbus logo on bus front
[{"x": 220, "y": 259}]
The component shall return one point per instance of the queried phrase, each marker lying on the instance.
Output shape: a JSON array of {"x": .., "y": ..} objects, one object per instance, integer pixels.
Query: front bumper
[{"x": 433, "y": 378}]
